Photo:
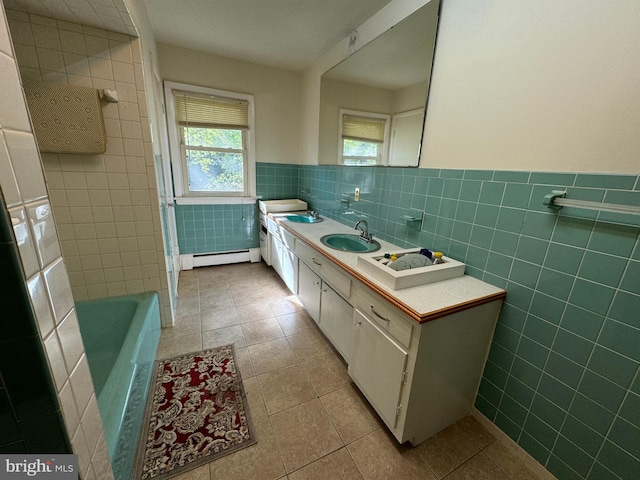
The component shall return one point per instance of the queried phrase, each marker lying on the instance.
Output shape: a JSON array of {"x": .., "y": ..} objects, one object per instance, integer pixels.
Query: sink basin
[
  {"x": 303, "y": 219},
  {"x": 349, "y": 243}
]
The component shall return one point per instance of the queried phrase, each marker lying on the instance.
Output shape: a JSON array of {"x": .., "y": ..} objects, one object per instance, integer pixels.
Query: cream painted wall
[
  {"x": 546, "y": 85},
  {"x": 276, "y": 91}
]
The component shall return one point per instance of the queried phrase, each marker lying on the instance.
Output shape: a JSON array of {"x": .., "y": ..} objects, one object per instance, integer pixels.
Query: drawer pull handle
[
  {"x": 315, "y": 261},
  {"x": 357, "y": 324},
  {"x": 378, "y": 315}
]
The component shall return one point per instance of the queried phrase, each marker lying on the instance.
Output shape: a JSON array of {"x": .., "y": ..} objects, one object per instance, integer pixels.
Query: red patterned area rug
[{"x": 197, "y": 412}]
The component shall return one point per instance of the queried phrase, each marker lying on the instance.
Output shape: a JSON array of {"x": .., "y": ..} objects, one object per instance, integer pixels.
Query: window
[
  {"x": 363, "y": 138},
  {"x": 212, "y": 147}
]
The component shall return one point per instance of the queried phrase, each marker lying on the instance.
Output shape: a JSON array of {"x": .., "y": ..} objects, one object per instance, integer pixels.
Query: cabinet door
[
  {"x": 309, "y": 291},
  {"x": 377, "y": 366},
  {"x": 336, "y": 320},
  {"x": 289, "y": 269},
  {"x": 276, "y": 254}
]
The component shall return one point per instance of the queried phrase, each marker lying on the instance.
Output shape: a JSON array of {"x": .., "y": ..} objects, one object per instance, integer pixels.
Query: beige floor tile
[
  {"x": 285, "y": 305},
  {"x": 272, "y": 355},
  {"x": 507, "y": 461},
  {"x": 474, "y": 430},
  {"x": 479, "y": 467},
  {"x": 327, "y": 372},
  {"x": 188, "y": 290},
  {"x": 187, "y": 277},
  {"x": 244, "y": 297},
  {"x": 200, "y": 473},
  {"x": 335, "y": 466},
  {"x": 285, "y": 388},
  {"x": 214, "y": 318},
  {"x": 255, "y": 399},
  {"x": 379, "y": 457},
  {"x": 262, "y": 331},
  {"x": 257, "y": 462},
  {"x": 187, "y": 319},
  {"x": 352, "y": 416},
  {"x": 211, "y": 283},
  {"x": 297, "y": 322},
  {"x": 187, "y": 305},
  {"x": 254, "y": 311},
  {"x": 304, "y": 434},
  {"x": 275, "y": 290},
  {"x": 309, "y": 344},
  {"x": 244, "y": 363},
  {"x": 181, "y": 329},
  {"x": 173, "y": 346},
  {"x": 309, "y": 437},
  {"x": 216, "y": 302},
  {"x": 223, "y": 336},
  {"x": 447, "y": 450}
]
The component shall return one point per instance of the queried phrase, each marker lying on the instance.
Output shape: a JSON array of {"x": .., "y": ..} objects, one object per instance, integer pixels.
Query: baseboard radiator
[{"x": 190, "y": 261}]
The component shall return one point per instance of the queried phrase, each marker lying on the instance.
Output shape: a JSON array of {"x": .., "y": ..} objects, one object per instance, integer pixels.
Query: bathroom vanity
[{"x": 417, "y": 353}]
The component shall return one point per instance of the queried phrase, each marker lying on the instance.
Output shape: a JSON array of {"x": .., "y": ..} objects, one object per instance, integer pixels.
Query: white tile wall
[
  {"x": 105, "y": 206},
  {"x": 23, "y": 186}
]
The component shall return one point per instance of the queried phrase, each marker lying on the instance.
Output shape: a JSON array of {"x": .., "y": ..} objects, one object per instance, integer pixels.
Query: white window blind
[
  {"x": 364, "y": 129},
  {"x": 211, "y": 112}
]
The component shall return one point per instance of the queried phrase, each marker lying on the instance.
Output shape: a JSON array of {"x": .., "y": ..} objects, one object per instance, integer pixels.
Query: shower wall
[
  {"x": 35, "y": 392},
  {"x": 105, "y": 206}
]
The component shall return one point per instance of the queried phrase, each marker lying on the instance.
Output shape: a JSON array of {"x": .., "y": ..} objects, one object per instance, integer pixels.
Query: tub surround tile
[
  {"x": 82, "y": 384},
  {"x": 59, "y": 289},
  {"x": 7, "y": 176},
  {"x": 24, "y": 241}
]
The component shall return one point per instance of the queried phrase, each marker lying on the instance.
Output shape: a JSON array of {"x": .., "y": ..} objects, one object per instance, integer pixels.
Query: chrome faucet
[{"x": 364, "y": 229}]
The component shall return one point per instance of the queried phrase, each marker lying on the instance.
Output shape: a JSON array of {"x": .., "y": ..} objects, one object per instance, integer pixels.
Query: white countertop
[{"x": 424, "y": 302}]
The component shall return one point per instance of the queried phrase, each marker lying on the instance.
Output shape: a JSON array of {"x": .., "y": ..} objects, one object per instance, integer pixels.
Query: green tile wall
[
  {"x": 562, "y": 377},
  {"x": 30, "y": 416},
  {"x": 223, "y": 228}
]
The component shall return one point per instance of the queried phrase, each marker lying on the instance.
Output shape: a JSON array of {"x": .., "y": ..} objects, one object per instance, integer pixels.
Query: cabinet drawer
[
  {"x": 341, "y": 282},
  {"x": 308, "y": 255},
  {"x": 386, "y": 316}
]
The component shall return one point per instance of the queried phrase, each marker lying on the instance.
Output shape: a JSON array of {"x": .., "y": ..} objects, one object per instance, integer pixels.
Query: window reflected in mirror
[{"x": 387, "y": 78}]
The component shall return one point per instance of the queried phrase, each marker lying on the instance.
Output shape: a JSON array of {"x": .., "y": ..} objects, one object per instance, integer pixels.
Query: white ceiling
[
  {"x": 108, "y": 14},
  {"x": 289, "y": 34}
]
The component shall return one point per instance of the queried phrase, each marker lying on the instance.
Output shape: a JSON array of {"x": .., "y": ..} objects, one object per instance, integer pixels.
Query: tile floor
[{"x": 310, "y": 421}]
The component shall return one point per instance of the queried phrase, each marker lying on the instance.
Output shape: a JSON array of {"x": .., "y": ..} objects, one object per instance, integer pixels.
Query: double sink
[{"x": 376, "y": 266}]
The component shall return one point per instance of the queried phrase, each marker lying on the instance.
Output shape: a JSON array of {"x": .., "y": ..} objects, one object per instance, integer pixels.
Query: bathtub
[{"x": 121, "y": 336}]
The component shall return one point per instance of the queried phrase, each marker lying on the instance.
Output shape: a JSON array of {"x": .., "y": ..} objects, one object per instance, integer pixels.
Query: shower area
[{"x": 99, "y": 223}]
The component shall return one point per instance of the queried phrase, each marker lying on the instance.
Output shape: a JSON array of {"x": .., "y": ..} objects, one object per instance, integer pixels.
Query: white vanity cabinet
[
  {"x": 283, "y": 258},
  {"x": 378, "y": 367},
  {"x": 330, "y": 311},
  {"x": 418, "y": 366},
  {"x": 309, "y": 290},
  {"x": 336, "y": 318},
  {"x": 420, "y": 378}
]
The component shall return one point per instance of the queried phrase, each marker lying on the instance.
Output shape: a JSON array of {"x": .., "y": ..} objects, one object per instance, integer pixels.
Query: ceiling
[
  {"x": 288, "y": 34},
  {"x": 107, "y": 14}
]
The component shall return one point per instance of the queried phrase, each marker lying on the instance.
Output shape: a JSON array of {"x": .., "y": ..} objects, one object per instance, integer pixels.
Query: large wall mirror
[{"x": 372, "y": 104}]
